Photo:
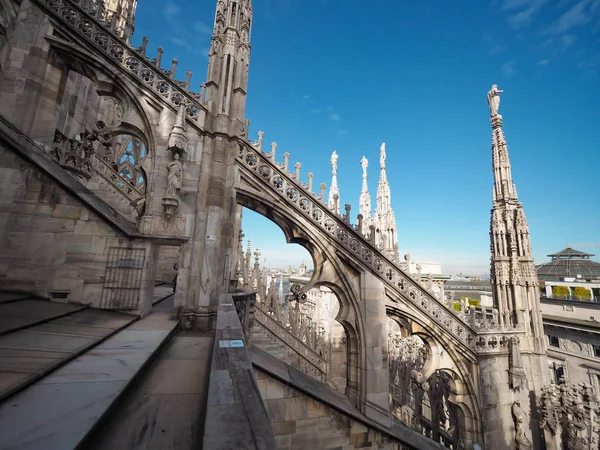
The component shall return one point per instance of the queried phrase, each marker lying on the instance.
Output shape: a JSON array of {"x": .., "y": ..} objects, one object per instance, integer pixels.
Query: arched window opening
[
  {"x": 129, "y": 152},
  {"x": 421, "y": 403}
]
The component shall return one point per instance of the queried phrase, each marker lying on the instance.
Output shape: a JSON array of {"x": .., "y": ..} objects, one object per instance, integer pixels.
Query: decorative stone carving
[
  {"x": 173, "y": 226},
  {"x": 245, "y": 304},
  {"x": 520, "y": 419},
  {"x": 74, "y": 155},
  {"x": 573, "y": 408},
  {"x": 111, "y": 111},
  {"x": 87, "y": 22},
  {"x": 178, "y": 140},
  {"x": 517, "y": 374}
]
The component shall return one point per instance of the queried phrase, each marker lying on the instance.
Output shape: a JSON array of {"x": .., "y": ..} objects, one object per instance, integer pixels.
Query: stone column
[
  {"x": 207, "y": 258},
  {"x": 375, "y": 373}
]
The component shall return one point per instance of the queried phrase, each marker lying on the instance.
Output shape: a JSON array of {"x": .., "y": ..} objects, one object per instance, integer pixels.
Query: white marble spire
[
  {"x": 365, "y": 198},
  {"x": 513, "y": 274},
  {"x": 384, "y": 219},
  {"x": 333, "y": 190}
]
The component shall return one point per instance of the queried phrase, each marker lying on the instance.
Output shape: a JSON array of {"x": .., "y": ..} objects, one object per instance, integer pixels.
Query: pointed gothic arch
[
  {"x": 462, "y": 412},
  {"x": 327, "y": 268}
]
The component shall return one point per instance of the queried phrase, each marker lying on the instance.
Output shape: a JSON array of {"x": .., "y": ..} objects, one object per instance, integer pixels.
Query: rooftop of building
[
  {"x": 570, "y": 253},
  {"x": 569, "y": 263}
]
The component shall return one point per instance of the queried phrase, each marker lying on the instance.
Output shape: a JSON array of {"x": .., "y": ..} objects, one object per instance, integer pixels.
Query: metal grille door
[{"x": 123, "y": 278}]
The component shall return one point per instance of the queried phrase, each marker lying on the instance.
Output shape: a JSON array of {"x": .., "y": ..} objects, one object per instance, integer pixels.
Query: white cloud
[
  {"x": 202, "y": 28},
  {"x": 567, "y": 40},
  {"x": 171, "y": 10},
  {"x": 334, "y": 117},
  {"x": 543, "y": 62},
  {"x": 522, "y": 11},
  {"x": 574, "y": 17},
  {"x": 180, "y": 42},
  {"x": 497, "y": 49},
  {"x": 508, "y": 68},
  {"x": 342, "y": 133},
  {"x": 306, "y": 97},
  {"x": 521, "y": 19}
]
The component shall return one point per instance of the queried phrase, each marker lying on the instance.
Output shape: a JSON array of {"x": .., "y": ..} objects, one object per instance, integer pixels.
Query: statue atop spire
[
  {"x": 513, "y": 273},
  {"x": 334, "y": 193},
  {"x": 384, "y": 219},
  {"x": 333, "y": 160},
  {"x": 364, "y": 202},
  {"x": 493, "y": 98}
]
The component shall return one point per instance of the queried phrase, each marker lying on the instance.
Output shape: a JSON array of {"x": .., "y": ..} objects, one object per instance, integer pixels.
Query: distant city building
[{"x": 570, "y": 269}]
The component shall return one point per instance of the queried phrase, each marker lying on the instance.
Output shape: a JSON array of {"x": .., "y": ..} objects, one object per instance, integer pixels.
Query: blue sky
[{"x": 348, "y": 75}]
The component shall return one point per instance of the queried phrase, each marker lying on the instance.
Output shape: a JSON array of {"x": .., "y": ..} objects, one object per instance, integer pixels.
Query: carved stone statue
[
  {"x": 333, "y": 160},
  {"x": 175, "y": 172},
  {"x": 382, "y": 156},
  {"x": 494, "y": 100},
  {"x": 364, "y": 162},
  {"x": 520, "y": 418}
]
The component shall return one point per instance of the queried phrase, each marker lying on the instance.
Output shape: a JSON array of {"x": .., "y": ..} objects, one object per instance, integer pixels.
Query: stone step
[
  {"x": 27, "y": 354},
  {"x": 61, "y": 409},
  {"x": 165, "y": 408},
  {"x": 8, "y": 296},
  {"x": 21, "y": 313}
]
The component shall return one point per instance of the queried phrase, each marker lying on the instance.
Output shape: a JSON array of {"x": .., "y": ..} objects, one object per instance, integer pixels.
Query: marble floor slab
[
  {"x": 12, "y": 296},
  {"x": 30, "y": 353},
  {"x": 23, "y": 313},
  {"x": 58, "y": 411},
  {"x": 162, "y": 292}
]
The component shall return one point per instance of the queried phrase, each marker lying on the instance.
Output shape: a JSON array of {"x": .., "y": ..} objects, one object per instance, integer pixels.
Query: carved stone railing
[
  {"x": 300, "y": 198},
  {"x": 245, "y": 305},
  {"x": 283, "y": 334},
  {"x": 117, "y": 181},
  {"x": 87, "y": 20}
]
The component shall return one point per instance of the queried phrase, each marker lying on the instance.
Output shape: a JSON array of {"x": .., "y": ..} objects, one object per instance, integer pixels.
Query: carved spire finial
[
  {"x": 384, "y": 218},
  {"x": 364, "y": 202},
  {"x": 177, "y": 138},
  {"x": 513, "y": 270},
  {"x": 334, "y": 190}
]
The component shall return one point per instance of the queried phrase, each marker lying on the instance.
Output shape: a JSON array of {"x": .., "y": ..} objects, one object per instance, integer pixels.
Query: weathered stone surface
[{"x": 78, "y": 393}]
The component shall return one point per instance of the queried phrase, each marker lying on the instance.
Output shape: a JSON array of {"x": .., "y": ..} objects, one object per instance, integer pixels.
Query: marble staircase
[{"x": 61, "y": 376}]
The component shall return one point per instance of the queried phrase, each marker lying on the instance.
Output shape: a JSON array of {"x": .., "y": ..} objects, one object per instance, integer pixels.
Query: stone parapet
[{"x": 235, "y": 413}]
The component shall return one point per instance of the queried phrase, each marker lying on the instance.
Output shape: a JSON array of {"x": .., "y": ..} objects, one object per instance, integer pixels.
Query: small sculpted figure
[{"x": 174, "y": 176}]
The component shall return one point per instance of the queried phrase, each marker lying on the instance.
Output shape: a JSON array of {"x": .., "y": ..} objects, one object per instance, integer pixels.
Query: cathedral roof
[{"x": 569, "y": 263}]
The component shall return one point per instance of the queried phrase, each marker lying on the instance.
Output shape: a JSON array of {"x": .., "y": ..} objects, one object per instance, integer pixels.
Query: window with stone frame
[
  {"x": 596, "y": 350},
  {"x": 554, "y": 341},
  {"x": 129, "y": 152},
  {"x": 558, "y": 373}
]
